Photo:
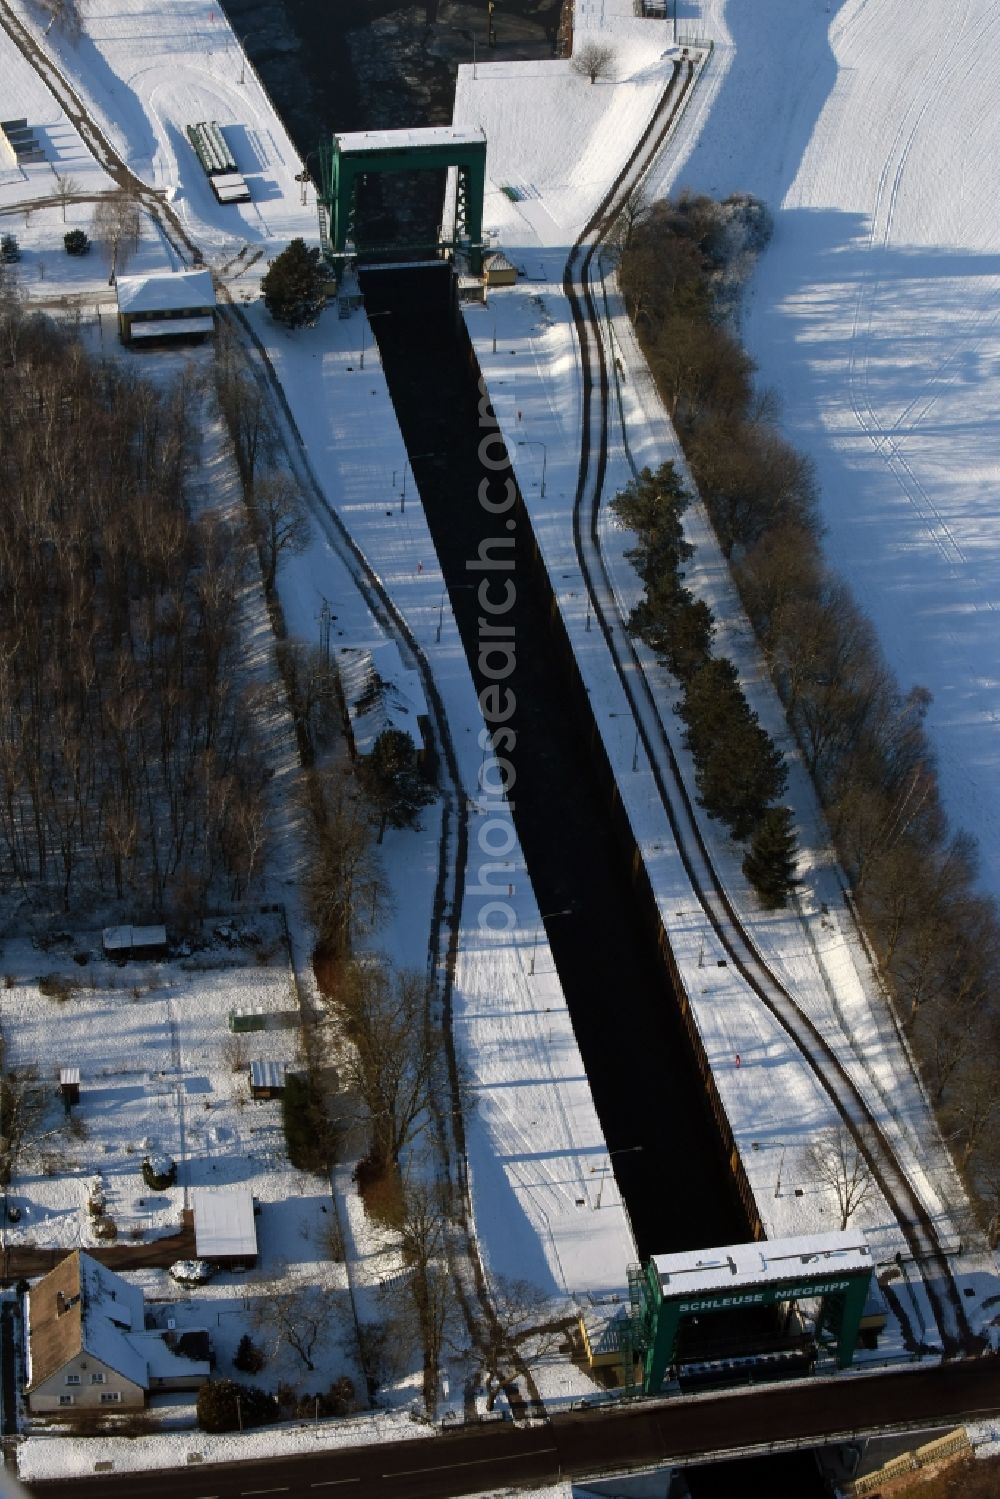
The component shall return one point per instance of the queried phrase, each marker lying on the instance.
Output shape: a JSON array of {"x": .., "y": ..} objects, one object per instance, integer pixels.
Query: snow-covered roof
[
  {"x": 398, "y": 140},
  {"x": 125, "y": 938},
  {"x": 161, "y": 1361},
  {"x": 159, "y": 292},
  {"x": 223, "y": 1223},
  {"x": 497, "y": 261},
  {"x": 267, "y": 1074},
  {"x": 805, "y": 1255},
  {"x": 82, "y": 1307},
  {"x": 69, "y": 1075},
  {"x": 380, "y": 694}
]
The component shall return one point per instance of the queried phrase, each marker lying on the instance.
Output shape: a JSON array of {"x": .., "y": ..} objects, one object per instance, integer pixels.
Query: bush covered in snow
[{"x": 159, "y": 1171}]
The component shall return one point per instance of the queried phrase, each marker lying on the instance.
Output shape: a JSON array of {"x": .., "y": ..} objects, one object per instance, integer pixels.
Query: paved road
[{"x": 491, "y": 1458}]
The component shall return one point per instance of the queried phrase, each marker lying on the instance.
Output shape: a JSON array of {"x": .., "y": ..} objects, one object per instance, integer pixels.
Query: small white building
[
  {"x": 122, "y": 942},
  {"x": 224, "y": 1229},
  {"x": 88, "y": 1346},
  {"x": 267, "y": 1079},
  {"x": 164, "y": 305}
]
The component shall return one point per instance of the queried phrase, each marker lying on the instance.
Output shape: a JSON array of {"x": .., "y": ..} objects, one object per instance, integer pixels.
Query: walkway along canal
[{"x": 644, "y": 1078}]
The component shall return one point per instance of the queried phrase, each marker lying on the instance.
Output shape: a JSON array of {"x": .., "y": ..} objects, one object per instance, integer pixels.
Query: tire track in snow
[
  {"x": 882, "y": 438},
  {"x": 905, "y": 1202}
]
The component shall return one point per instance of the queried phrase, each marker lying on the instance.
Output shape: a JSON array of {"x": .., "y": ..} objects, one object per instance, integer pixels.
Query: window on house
[
  {"x": 97, "y": 1379},
  {"x": 111, "y": 1397},
  {"x": 72, "y": 1379},
  {"x": 65, "y": 1399}
]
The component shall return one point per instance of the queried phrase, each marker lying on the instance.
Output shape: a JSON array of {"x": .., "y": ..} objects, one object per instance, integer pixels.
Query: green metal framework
[
  {"x": 657, "y": 1316},
  {"x": 345, "y": 159}
]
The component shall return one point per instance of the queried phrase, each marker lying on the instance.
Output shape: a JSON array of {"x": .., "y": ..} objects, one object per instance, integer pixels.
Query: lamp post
[
  {"x": 243, "y": 54},
  {"x": 536, "y": 442},
  {"x": 777, "y": 1184},
  {"x": 606, "y": 1171},
  {"x": 549, "y": 916},
  {"x": 635, "y": 746}
]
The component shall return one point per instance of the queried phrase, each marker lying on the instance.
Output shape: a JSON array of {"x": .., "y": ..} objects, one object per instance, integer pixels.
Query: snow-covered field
[{"x": 871, "y": 128}]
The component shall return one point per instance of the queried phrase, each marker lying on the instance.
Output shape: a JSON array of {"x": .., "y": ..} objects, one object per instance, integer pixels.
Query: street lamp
[
  {"x": 243, "y": 53},
  {"x": 535, "y": 442},
  {"x": 777, "y": 1184},
  {"x": 608, "y": 1170},
  {"x": 549, "y": 916},
  {"x": 635, "y": 747}
]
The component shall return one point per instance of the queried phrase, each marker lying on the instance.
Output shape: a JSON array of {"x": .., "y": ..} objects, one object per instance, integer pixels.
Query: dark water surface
[{"x": 334, "y": 65}]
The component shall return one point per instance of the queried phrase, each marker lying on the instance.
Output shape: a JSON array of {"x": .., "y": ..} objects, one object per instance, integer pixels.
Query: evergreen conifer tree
[
  {"x": 295, "y": 287},
  {"x": 770, "y": 861},
  {"x": 392, "y": 782}
]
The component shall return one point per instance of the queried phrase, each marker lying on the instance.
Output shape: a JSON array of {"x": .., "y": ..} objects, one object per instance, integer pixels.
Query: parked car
[{"x": 191, "y": 1272}]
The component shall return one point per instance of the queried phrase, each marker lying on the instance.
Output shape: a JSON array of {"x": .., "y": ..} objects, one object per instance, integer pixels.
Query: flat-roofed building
[
  {"x": 224, "y": 1229},
  {"x": 162, "y": 305}
]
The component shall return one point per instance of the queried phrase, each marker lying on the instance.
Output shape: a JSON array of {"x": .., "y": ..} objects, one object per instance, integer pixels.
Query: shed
[
  {"x": 124, "y": 942},
  {"x": 498, "y": 270},
  {"x": 224, "y": 1228},
  {"x": 163, "y": 305},
  {"x": 69, "y": 1085},
  {"x": 267, "y": 1079},
  {"x": 380, "y": 693},
  {"x": 241, "y": 1021}
]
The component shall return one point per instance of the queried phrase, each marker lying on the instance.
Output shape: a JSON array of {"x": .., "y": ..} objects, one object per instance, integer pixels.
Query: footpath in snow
[
  {"x": 527, "y": 349},
  {"x": 561, "y": 1226},
  {"x": 557, "y": 142}
]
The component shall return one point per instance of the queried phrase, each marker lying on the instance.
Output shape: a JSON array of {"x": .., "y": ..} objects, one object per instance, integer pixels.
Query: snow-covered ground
[
  {"x": 160, "y": 1071},
  {"x": 179, "y": 63},
  {"x": 560, "y": 1225},
  {"x": 871, "y": 128},
  {"x": 527, "y": 350},
  {"x": 55, "y": 1457}
]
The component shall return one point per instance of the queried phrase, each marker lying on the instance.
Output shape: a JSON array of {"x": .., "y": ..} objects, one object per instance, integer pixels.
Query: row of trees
[
  {"x": 128, "y": 752},
  {"x": 913, "y": 878},
  {"x": 740, "y": 772}
]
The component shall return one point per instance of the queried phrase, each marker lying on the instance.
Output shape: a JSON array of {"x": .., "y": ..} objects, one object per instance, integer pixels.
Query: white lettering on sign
[{"x": 754, "y": 1298}]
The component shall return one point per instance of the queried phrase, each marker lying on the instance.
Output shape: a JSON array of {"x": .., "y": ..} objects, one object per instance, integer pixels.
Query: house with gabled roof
[{"x": 88, "y": 1346}]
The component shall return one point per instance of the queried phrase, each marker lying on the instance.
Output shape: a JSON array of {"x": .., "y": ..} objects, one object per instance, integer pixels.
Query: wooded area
[{"x": 128, "y": 751}]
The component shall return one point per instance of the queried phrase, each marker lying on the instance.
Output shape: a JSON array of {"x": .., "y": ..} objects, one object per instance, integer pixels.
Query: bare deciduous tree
[
  {"x": 594, "y": 60},
  {"x": 423, "y": 1298},
  {"x": 524, "y": 1327},
  {"x": 22, "y": 1108},
  {"x": 117, "y": 223},
  {"x": 65, "y": 190},
  {"x": 396, "y": 1058},
  {"x": 279, "y": 520},
  {"x": 297, "y": 1311},
  {"x": 347, "y": 888},
  {"x": 837, "y": 1162}
]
